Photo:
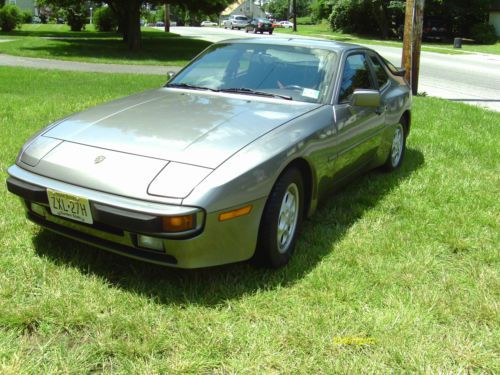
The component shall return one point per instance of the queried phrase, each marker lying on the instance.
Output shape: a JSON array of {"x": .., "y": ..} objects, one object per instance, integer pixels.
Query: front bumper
[{"x": 118, "y": 221}]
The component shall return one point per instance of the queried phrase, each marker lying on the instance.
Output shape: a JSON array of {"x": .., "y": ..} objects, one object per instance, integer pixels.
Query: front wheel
[
  {"x": 398, "y": 148},
  {"x": 281, "y": 220}
]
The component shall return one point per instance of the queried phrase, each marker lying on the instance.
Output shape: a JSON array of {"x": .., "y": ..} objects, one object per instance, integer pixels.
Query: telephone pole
[{"x": 412, "y": 41}]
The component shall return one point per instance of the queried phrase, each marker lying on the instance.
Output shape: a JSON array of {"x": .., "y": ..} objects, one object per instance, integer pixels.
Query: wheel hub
[{"x": 288, "y": 216}]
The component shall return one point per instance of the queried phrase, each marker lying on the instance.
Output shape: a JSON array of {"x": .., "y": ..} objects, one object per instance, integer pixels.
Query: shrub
[
  {"x": 353, "y": 16},
  {"x": 105, "y": 19},
  {"x": 76, "y": 18},
  {"x": 304, "y": 21},
  {"x": 10, "y": 17},
  {"x": 26, "y": 16},
  {"x": 483, "y": 33}
]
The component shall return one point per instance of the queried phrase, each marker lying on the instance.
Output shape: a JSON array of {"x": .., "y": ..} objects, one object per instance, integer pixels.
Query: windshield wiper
[
  {"x": 244, "y": 90},
  {"x": 188, "y": 86}
]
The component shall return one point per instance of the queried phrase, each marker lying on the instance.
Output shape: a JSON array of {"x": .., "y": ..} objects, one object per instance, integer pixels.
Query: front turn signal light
[
  {"x": 235, "y": 213},
  {"x": 179, "y": 223}
]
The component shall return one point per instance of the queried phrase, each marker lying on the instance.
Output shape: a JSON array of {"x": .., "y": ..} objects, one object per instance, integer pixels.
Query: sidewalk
[{"x": 30, "y": 62}]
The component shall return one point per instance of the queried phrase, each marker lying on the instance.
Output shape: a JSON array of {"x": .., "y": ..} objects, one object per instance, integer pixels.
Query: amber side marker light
[
  {"x": 235, "y": 213},
  {"x": 179, "y": 223}
]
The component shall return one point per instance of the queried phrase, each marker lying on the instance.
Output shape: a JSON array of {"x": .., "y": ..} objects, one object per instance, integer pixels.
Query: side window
[
  {"x": 380, "y": 72},
  {"x": 356, "y": 75}
]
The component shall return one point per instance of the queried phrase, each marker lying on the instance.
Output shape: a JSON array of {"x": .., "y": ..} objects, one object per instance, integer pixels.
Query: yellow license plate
[{"x": 69, "y": 206}]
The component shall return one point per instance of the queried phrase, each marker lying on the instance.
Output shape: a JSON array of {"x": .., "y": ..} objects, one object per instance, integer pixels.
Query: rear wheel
[
  {"x": 398, "y": 148},
  {"x": 271, "y": 32},
  {"x": 281, "y": 220}
]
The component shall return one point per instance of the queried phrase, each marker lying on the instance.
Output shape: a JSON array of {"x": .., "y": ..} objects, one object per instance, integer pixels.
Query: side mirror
[{"x": 365, "y": 98}]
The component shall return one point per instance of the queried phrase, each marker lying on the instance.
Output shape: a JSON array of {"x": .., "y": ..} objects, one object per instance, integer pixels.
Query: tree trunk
[
  {"x": 167, "y": 17},
  {"x": 121, "y": 14},
  {"x": 380, "y": 13},
  {"x": 129, "y": 21},
  {"x": 133, "y": 27}
]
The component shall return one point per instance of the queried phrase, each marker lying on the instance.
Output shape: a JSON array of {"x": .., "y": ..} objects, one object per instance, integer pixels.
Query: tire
[
  {"x": 271, "y": 32},
  {"x": 398, "y": 148},
  {"x": 281, "y": 220},
  {"x": 246, "y": 30},
  {"x": 255, "y": 30}
]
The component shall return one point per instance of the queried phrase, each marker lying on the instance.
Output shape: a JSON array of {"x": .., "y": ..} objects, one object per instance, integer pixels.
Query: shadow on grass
[
  {"x": 84, "y": 34},
  {"x": 160, "y": 49},
  {"x": 157, "y": 46},
  {"x": 213, "y": 286}
]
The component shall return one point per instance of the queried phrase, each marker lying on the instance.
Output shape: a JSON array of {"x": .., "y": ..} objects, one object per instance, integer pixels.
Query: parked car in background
[
  {"x": 286, "y": 24},
  {"x": 236, "y": 22},
  {"x": 224, "y": 162},
  {"x": 209, "y": 23},
  {"x": 260, "y": 25},
  {"x": 435, "y": 29},
  {"x": 160, "y": 24}
]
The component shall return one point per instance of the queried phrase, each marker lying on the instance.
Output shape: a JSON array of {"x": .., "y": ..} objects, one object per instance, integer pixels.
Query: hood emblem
[{"x": 99, "y": 159}]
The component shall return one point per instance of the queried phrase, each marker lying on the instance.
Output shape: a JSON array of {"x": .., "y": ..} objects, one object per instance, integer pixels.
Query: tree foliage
[
  {"x": 281, "y": 9},
  {"x": 383, "y": 17},
  {"x": 321, "y": 9}
]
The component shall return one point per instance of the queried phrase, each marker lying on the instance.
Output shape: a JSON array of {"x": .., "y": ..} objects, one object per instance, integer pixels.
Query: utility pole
[
  {"x": 412, "y": 41},
  {"x": 167, "y": 16}
]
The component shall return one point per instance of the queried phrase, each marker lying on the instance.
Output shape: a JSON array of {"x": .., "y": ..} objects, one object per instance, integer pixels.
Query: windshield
[{"x": 298, "y": 73}]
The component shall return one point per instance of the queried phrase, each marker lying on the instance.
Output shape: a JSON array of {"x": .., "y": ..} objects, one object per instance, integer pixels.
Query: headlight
[{"x": 177, "y": 180}]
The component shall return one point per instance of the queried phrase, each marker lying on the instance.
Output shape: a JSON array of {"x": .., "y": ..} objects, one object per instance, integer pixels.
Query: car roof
[{"x": 338, "y": 47}]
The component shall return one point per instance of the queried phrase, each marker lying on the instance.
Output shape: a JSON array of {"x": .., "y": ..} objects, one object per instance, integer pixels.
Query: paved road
[{"x": 468, "y": 78}]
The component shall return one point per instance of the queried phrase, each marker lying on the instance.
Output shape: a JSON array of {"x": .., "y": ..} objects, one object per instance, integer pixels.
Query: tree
[
  {"x": 281, "y": 9},
  {"x": 128, "y": 13},
  {"x": 321, "y": 9},
  {"x": 383, "y": 17}
]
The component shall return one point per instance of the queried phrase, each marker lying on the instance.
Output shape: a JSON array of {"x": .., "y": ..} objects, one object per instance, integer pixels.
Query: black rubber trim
[
  {"x": 146, "y": 255},
  {"x": 127, "y": 220},
  {"x": 30, "y": 192}
]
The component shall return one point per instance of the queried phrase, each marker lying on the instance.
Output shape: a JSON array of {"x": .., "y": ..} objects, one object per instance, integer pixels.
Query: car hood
[{"x": 198, "y": 128}]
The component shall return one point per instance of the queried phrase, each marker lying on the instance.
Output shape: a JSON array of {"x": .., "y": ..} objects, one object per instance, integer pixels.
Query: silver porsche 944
[{"x": 224, "y": 162}]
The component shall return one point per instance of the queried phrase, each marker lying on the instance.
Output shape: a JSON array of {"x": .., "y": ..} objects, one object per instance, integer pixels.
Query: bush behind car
[{"x": 10, "y": 17}]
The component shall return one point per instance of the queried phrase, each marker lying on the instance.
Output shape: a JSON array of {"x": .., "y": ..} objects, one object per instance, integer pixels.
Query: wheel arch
[{"x": 406, "y": 121}]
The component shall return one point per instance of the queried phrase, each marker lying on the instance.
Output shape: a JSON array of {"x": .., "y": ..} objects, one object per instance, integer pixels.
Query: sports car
[{"x": 224, "y": 162}]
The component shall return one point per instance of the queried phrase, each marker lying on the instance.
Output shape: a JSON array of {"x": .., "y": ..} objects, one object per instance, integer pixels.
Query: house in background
[
  {"x": 24, "y": 5},
  {"x": 249, "y": 8},
  {"x": 495, "y": 16}
]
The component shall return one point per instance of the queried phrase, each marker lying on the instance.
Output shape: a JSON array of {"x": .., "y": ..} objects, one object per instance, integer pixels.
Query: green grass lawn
[
  {"x": 323, "y": 31},
  {"x": 396, "y": 273},
  {"x": 58, "y": 42}
]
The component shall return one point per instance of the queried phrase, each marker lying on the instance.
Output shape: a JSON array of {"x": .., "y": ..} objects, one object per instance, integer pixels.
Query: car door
[{"x": 358, "y": 128}]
